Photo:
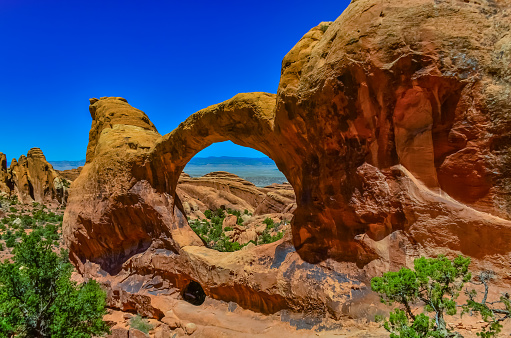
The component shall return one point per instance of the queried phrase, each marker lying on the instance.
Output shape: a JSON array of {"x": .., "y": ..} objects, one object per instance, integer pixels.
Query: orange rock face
[
  {"x": 390, "y": 124},
  {"x": 228, "y": 191},
  {"x": 32, "y": 179}
]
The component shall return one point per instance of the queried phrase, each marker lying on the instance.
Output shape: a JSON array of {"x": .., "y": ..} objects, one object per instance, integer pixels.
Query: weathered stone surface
[
  {"x": 163, "y": 331},
  {"x": 134, "y": 333},
  {"x": 118, "y": 298},
  {"x": 70, "y": 174},
  {"x": 5, "y": 188},
  {"x": 391, "y": 126},
  {"x": 32, "y": 179},
  {"x": 119, "y": 333},
  {"x": 190, "y": 328}
]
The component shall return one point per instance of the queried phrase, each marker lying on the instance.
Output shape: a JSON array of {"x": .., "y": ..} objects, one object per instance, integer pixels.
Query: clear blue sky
[{"x": 167, "y": 58}]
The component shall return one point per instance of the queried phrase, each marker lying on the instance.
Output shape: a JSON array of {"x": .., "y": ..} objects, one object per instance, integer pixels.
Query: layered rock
[
  {"x": 227, "y": 191},
  {"x": 70, "y": 174},
  {"x": 33, "y": 179},
  {"x": 390, "y": 124}
]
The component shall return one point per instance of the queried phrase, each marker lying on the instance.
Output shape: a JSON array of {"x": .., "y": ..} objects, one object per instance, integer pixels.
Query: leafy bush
[
  {"x": 10, "y": 239},
  {"x": 38, "y": 299},
  {"x": 436, "y": 282},
  {"x": 140, "y": 323},
  {"x": 12, "y": 209},
  {"x": 234, "y": 212},
  {"x": 492, "y": 312},
  {"x": 269, "y": 223},
  {"x": 208, "y": 214},
  {"x": 266, "y": 238}
]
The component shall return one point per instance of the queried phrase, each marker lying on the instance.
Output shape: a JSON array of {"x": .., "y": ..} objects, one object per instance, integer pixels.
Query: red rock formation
[
  {"x": 5, "y": 182},
  {"x": 32, "y": 179},
  {"x": 389, "y": 123},
  {"x": 228, "y": 191},
  {"x": 70, "y": 174}
]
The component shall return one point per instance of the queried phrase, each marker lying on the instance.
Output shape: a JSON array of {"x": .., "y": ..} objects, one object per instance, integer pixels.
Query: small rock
[
  {"x": 190, "y": 328},
  {"x": 127, "y": 316},
  {"x": 163, "y": 331},
  {"x": 134, "y": 333},
  {"x": 171, "y": 321},
  {"x": 119, "y": 333}
]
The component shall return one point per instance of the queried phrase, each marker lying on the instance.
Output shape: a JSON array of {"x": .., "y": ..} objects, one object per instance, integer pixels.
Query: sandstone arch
[{"x": 394, "y": 134}]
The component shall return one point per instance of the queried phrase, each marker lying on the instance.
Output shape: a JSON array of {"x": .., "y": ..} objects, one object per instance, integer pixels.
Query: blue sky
[{"x": 167, "y": 58}]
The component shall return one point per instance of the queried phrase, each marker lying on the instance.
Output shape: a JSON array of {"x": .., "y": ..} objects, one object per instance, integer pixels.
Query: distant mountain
[
  {"x": 196, "y": 161},
  {"x": 66, "y": 165},
  {"x": 234, "y": 161}
]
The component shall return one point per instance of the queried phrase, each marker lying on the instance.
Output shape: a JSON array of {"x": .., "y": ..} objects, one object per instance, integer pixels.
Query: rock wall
[
  {"x": 32, "y": 179},
  {"x": 391, "y": 124}
]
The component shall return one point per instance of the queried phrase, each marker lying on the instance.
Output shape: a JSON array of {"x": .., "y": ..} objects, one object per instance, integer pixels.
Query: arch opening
[{"x": 236, "y": 198}]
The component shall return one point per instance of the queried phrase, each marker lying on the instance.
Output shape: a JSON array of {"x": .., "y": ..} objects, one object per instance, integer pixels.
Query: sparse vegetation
[
  {"x": 139, "y": 323},
  {"x": 324, "y": 28},
  {"x": 211, "y": 232}
]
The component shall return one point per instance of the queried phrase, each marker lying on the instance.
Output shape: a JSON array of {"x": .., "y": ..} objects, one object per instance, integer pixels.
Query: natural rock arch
[{"x": 372, "y": 123}]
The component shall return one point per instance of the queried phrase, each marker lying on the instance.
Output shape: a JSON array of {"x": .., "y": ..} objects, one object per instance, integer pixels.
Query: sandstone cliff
[
  {"x": 391, "y": 126},
  {"x": 32, "y": 179}
]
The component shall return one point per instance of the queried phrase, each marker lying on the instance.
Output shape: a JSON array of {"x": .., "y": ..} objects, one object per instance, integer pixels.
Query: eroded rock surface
[
  {"x": 391, "y": 124},
  {"x": 227, "y": 191},
  {"x": 33, "y": 179}
]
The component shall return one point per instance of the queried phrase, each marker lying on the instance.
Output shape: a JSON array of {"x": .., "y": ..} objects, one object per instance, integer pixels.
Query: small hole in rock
[{"x": 194, "y": 294}]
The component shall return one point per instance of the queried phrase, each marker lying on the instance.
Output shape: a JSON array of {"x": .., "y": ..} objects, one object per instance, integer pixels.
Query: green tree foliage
[
  {"x": 434, "y": 281},
  {"x": 492, "y": 312},
  {"x": 38, "y": 299},
  {"x": 210, "y": 230},
  {"x": 269, "y": 223}
]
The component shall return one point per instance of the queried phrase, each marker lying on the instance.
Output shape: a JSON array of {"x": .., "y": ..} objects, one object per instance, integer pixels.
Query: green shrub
[
  {"x": 10, "y": 239},
  {"x": 141, "y": 324},
  {"x": 227, "y": 229},
  {"x": 19, "y": 233},
  {"x": 12, "y": 209},
  {"x": 436, "y": 283},
  {"x": 38, "y": 299},
  {"x": 208, "y": 214},
  {"x": 269, "y": 223}
]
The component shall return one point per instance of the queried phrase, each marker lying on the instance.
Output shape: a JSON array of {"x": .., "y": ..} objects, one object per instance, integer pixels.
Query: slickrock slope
[
  {"x": 32, "y": 179},
  {"x": 392, "y": 126}
]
